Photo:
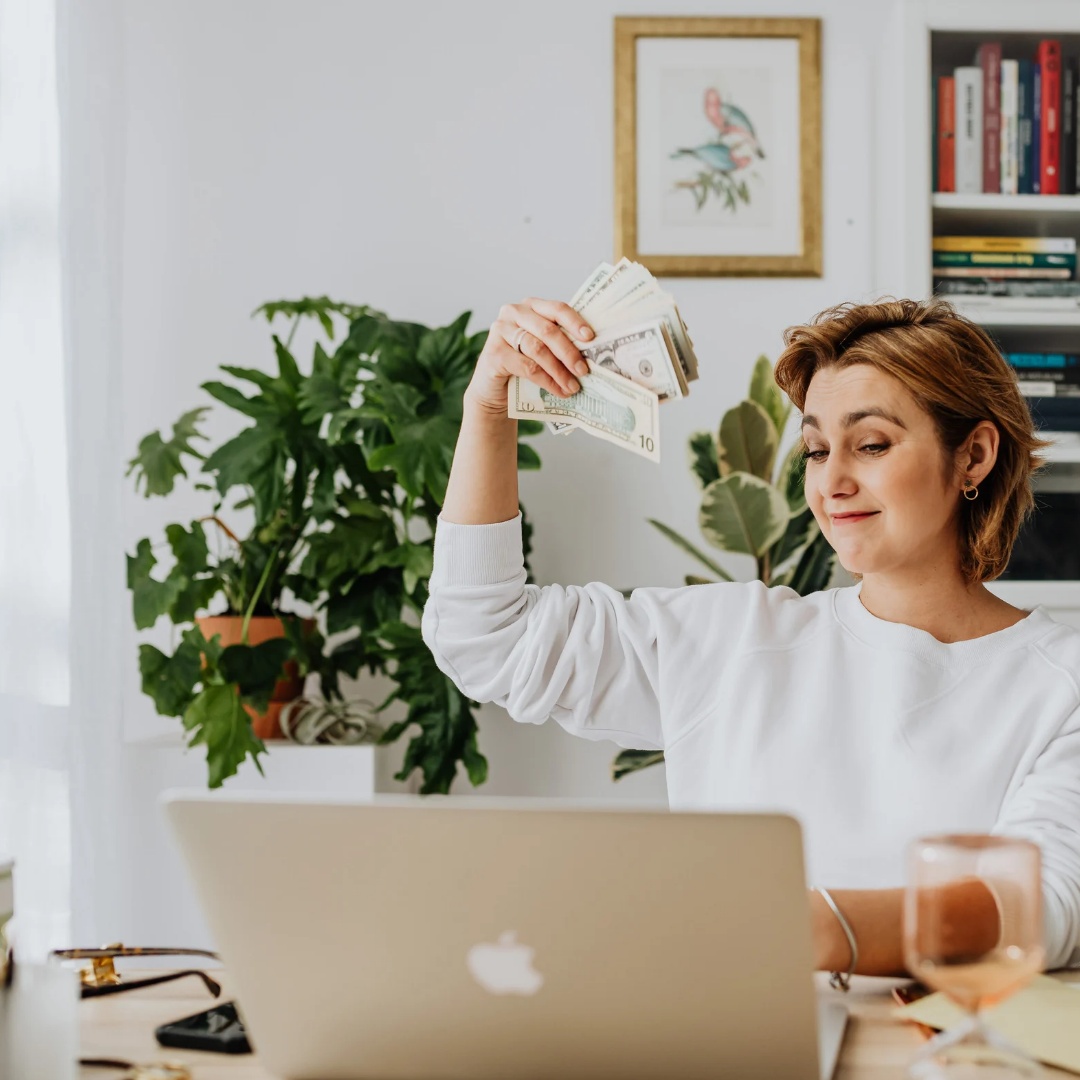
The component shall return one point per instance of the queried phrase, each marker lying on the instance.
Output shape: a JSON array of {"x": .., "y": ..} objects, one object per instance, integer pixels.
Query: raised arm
[{"x": 483, "y": 486}]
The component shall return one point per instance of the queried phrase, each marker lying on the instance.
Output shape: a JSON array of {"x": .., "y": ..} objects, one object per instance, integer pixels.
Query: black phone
[{"x": 219, "y": 1029}]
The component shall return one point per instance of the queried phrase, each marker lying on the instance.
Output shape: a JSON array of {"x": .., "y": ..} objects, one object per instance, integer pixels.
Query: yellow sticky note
[{"x": 1043, "y": 1019}]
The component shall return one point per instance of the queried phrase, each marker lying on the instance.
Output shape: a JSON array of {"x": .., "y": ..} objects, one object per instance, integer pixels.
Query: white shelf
[{"x": 1012, "y": 204}]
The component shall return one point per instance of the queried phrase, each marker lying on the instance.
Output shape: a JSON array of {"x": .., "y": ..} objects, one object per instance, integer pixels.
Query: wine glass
[{"x": 973, "y": 930}]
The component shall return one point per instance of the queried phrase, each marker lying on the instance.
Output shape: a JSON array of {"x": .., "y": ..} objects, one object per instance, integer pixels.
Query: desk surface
[{"x": 876, "y": 1046}]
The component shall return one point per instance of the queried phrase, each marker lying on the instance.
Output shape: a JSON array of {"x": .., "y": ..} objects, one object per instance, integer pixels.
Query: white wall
[{"x": 426, "y": 159}]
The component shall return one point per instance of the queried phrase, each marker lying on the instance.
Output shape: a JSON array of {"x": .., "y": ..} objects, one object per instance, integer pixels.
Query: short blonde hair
[{"x": 957, "y": 374}]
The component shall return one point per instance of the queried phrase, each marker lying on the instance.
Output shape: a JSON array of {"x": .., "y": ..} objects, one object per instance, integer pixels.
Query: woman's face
[{"x": 876, "y": 476}]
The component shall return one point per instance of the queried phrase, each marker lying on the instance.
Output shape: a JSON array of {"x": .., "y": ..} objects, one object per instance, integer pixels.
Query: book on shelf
[
  {"x": 1044, "y": 375},
  {"x": 1004, "y": 296},
  {"x": 1069, "y": 71},
  {"x": 1008, "y": 124},
  {"x": 988, "y": 57},
  {"x": 1024, "y": 119},
  {"x": 969, "y": 129},
  {"x": 1018, "y": 272},
  {"x": 1009, "y": 164},
  {"x": 1048, "y": 57},
  {"x": 1036, "y": 127},
  {"x": 1060, "y": 245},
  {"x": 946, "y": 117},
  {"x": 988, "y": 260},
  {"x": 991, "y": 261},
  {"x": 1017, "y": 305}
]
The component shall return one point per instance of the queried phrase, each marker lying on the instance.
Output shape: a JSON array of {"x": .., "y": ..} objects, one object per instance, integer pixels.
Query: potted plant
[
  {"x": 752, "y": 503},
  {"x": 339, "y": 477}
]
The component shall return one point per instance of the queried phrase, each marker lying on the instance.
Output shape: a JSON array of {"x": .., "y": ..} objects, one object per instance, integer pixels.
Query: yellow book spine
[{"x": 1055, "y": 245}]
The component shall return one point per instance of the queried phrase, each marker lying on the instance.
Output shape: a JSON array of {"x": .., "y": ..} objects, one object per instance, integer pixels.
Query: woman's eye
[
  {"x": 874, "y": 448},
  {"x": 815, "y": 455}
]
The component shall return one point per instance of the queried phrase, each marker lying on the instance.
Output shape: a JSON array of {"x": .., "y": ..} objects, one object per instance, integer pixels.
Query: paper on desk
[{"x": 1043, "y": 1019}]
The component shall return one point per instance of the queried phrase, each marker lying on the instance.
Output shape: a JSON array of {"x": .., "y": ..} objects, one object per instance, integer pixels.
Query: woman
[{"x": 916, "y": 702}]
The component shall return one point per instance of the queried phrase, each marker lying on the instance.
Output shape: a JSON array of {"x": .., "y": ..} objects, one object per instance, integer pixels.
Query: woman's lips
[{"x": 852, "y": 519}]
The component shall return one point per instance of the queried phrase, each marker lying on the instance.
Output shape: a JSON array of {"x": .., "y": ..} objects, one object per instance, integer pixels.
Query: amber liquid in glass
[{"x": 983, "y": 983}]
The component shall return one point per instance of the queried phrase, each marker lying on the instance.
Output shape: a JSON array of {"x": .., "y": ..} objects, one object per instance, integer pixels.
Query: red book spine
[
  {"x": 1048, "y": 57},
  {"x": 946, "y": 133},
  {"x": 989, "y": 59}
]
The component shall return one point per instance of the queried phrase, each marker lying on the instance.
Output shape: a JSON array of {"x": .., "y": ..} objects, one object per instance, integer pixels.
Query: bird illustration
[
  {"x": 713, "y": 156},
  {"x": 736, "y": 144},
  {"x": 729, "y": 120}
]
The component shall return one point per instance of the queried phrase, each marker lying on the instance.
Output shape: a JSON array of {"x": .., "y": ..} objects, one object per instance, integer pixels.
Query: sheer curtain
[
  {"x": 61, "y": 466},
  {"x": 35, "y": 548}
]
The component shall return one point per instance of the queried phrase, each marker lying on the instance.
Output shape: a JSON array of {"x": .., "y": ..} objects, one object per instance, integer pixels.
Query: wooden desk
[{"x": 876, "y": 1047}]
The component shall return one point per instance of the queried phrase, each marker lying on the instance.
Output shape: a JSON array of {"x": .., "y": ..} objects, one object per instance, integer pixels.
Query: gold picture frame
[{"x": 667, "y": 215}]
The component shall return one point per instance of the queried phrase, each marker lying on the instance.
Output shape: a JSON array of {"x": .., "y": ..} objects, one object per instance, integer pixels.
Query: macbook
[{"x": 478, "y": 938}]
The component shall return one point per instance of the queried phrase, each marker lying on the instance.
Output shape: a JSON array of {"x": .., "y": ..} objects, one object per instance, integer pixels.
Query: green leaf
[
  {"x": 528, "y": 428},
  {"x": 158, "y": 463},
  {"x": 319, "y": 307},
  {"x": 288, "y": 372},
  {"x": 743, "y": 514},
  {"x": 748, "y": 441},
  {"x": 169, "y": 681},
  {"x": 693, "y": 579},
  {"x": 257, "y": 458},
  {"x": 801, "y": 530},
  {"x": 793, "y": 479},
  {"x": 704, "y": 458},
  {"x": 415, "y": 561},
  {"x": 630, "y": 761},
  {"x": 353, "y": 546},
  {"x": 527, "y": 457},
  {"x": 443, "y": 715},
  {"x": 256, "y": 668},
  {"x": 216, "y": 719},
  {"x": 189, "y": 547},
  {"x": 420, "y": 457},
  {"x": 229, "y": 395},
  {"x": 768, "y": 395},
  {"x": 368, "y": 603},
  {"x": 815, "y": 568},
  {"x": 266, "y": 383},
  {"x": 150, "y": 598},
  {"x": 689, "y": 548}
]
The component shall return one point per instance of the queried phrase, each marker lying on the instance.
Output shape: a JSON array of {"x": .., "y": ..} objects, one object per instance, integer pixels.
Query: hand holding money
[
  {"x": 641, "y": 339},
  {"x": 534, "y": 340}
]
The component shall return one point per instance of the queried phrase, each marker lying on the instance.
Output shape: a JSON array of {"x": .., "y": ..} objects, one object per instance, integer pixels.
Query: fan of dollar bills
[{"x": 641, "y": 355}]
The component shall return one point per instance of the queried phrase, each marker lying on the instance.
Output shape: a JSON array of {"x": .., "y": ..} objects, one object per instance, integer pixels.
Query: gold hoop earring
[{"x": 970, "y": 493}]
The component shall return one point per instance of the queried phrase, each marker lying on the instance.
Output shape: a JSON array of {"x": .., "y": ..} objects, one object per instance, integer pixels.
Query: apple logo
[{"x": 505, "y": 967}]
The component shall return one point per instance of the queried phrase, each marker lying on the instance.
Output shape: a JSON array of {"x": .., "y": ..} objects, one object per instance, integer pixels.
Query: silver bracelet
[{"x": 841, "y": 980}]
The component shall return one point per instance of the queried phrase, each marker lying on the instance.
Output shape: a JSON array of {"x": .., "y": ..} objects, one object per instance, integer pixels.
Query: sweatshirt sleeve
[
  {"x": 585, "y": 656},
  {"x": 1045, "y": 808}
]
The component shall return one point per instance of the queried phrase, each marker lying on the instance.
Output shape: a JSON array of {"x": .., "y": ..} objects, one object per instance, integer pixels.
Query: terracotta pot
[{"x": 261, "y": 628}]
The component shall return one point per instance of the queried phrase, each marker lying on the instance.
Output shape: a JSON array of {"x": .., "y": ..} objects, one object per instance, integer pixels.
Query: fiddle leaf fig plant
[
  {"x": 752, "y": 503},
  {"x": 339, "y": 474}
]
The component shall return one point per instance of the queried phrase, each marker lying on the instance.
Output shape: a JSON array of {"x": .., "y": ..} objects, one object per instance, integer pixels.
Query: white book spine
[
  {"x": 969, "y": 129},
  {"x": 1010, "y": 131}
]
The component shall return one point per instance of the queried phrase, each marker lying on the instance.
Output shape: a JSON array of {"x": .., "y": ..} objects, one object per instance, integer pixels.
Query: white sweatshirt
[{"x": 869, "y": 732}]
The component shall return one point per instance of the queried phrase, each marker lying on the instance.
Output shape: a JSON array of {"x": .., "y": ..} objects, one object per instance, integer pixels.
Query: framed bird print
[{"x": 718, "y": 145}]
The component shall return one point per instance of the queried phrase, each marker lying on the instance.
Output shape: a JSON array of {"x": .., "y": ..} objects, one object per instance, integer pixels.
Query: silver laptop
[{"x": 486, "y": 939}]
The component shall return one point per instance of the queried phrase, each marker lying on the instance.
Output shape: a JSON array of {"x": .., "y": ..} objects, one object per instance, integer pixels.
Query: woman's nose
[{"x": 836, "y": 477}]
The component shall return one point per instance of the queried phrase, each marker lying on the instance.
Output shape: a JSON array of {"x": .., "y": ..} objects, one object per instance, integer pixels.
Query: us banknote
[{"x": 608, "y": 406}]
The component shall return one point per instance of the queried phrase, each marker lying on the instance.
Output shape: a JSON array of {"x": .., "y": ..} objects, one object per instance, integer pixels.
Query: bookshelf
[
  {"x": 923, "y": 39},
  {"x": 1024, "y": 207}
]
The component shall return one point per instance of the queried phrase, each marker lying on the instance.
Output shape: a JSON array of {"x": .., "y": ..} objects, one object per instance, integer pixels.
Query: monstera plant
[
  {"x": 323, "y": 505},
  {"x": 752, "y": 503}
]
